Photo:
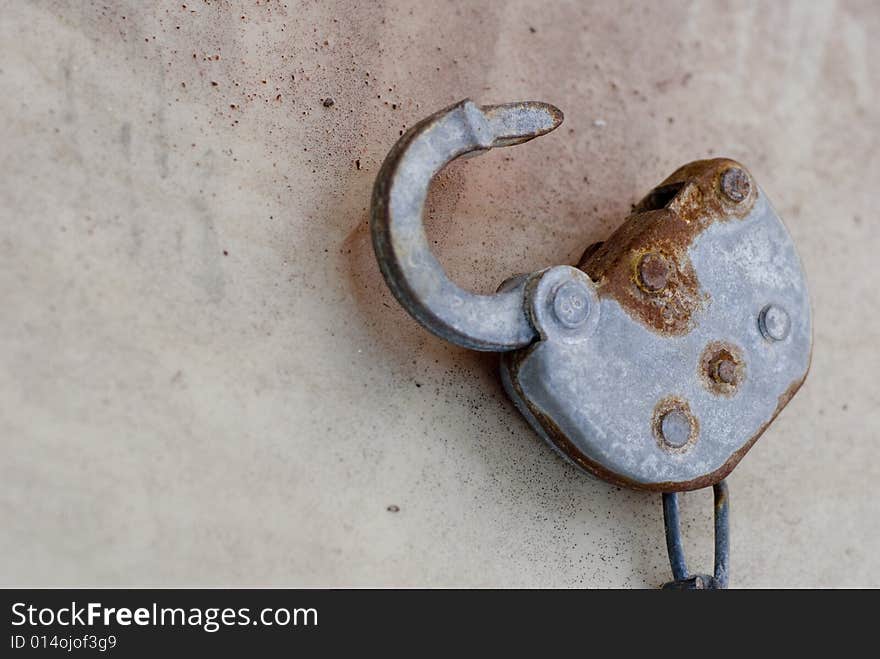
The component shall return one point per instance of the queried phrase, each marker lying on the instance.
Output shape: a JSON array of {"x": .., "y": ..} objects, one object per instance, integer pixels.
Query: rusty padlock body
[{"x": 660, "y": 359}]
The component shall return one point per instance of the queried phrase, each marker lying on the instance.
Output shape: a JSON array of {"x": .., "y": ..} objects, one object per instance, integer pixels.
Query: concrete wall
[{"x": 203, "y": 379}]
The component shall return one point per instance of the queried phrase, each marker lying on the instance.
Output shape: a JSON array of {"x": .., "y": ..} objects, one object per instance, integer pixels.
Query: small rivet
[
  {"x": 774, "y": 322},
  {"x": 724, "y": 371},
  {"x": 735, "y": 184},
  {"x": 653, "y": 272},
  {"x": 571, "y": 304},
  {"x": 676, "y": 427}
]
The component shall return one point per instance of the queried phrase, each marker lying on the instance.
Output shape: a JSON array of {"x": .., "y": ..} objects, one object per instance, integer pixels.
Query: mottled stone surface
[{"x": 203, "y": 379}]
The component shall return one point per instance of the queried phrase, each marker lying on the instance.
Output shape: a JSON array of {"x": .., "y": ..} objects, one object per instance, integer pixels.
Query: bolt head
[
  {"x": 571, "y": 304},
  {"x": 676, "y": 427},
  {"x": 653, "y": 272},
  {"x": 735, "y": 184},
  {"x": 774, "y": 322}
]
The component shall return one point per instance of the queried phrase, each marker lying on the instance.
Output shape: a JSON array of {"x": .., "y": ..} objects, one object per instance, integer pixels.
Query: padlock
[{"x": 659, "y": 359}]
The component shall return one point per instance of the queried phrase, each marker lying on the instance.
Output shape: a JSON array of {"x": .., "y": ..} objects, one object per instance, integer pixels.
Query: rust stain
[
  {"x": 665, "y": 223},
  {"x": 567, "y": 447},
  {"x": 714, "y": 353},
  {"x": 724, "y": 470}
]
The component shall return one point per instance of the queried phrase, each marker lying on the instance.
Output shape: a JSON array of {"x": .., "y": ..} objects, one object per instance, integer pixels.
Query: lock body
[
  {"x": 661, "y": 358},
  {"x": 693, "y": 331}
]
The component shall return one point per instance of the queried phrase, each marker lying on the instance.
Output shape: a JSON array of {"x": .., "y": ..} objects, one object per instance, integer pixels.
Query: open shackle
[{"x": 494, "y": 323}]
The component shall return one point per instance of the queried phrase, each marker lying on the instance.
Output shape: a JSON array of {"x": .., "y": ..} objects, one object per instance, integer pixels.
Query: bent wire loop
[{"x": 683, "y": 579}]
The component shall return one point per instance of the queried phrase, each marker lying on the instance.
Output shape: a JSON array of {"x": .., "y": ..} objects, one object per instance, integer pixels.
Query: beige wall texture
[{"x": 204, "y": 380}]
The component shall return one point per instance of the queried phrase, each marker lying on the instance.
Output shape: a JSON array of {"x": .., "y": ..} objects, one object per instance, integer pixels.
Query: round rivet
[
  {"x": 735, "y": 184},
  {"x": 653, "y": 272},
  {"x": 571, "y": 304},
  {"x": 723, "y": 368},
  {"x": 675, "y": 428},
  {"x": 774, "y": 322},
  {"x": 724, "y": 371}
]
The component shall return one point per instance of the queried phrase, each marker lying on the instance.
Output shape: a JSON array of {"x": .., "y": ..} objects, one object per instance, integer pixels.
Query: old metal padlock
[{"x": 660, "y": 359}]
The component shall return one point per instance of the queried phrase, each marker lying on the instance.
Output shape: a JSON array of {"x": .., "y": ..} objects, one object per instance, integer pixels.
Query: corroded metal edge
[{"x": 550, "y": 432}]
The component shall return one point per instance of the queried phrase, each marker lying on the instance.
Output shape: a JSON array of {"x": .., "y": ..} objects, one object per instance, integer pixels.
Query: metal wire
[{"x": 671, "y": 519}]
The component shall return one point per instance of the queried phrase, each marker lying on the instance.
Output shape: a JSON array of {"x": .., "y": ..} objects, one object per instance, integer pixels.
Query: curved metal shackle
[{"x": 481, "y": 322}]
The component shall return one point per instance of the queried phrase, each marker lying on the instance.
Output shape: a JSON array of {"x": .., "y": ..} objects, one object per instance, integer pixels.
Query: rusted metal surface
[
  {"x": 735, "y": 184},
  {"x": 568, "y": 450},
  {"x": 644, "y": 264},
  {"x": 722, "y": 368},
  {"x": 653, "y": 272},
  {"x": 656, "y": 234}
]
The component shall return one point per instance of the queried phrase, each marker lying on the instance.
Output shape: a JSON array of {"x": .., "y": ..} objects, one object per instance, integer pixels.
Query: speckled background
[{"x": 203, "y": 379}]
